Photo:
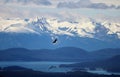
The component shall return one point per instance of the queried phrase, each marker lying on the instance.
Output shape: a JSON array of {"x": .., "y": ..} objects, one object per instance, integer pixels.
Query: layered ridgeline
[
  {"x": 39, "y": 33},
  {"x": 61, "y": 54}
]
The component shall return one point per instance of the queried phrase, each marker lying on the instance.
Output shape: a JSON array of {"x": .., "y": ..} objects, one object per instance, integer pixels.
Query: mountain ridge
[
  {"x": 71, "y": 54},
  {"x": 84, "y": 28},
  {"x": 42, "y": 31}
]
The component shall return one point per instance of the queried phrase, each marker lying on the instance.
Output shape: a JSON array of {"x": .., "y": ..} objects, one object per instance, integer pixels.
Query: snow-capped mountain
[
  {"x": 80, "y": 28},
  {"x": 80, "y": 32}
]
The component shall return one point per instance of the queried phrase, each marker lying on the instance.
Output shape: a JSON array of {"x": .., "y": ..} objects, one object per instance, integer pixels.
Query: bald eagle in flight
[{"x": 55, "y": 41}]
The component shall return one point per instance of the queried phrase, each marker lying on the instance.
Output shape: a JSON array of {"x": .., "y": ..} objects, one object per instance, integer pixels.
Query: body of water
[
  {"x": 102, "y": 72},
  {"x": 50, "y": 67},
  {"x": 39, "y": 66}
]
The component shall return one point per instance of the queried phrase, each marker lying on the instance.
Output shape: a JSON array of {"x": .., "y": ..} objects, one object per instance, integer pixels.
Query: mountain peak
[
  {"x": 79, "y": 33},
  {"x": 83, "y": 28}
]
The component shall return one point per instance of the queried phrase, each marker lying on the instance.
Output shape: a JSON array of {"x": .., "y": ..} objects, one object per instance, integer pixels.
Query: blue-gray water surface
[
  {"x": 45, "y": 66},
  {"x": 39, "y": 66}
]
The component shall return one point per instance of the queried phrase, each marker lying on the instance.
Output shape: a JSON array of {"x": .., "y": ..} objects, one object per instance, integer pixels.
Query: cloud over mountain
[
  {"x": 37, "y": 2},
  {"x": 85, "y": 4}
]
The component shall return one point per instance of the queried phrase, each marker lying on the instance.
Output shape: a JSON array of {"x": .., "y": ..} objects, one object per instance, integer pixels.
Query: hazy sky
[
  {"x": 109, "y": 2},
  {"x": 13, "y": 9}
]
